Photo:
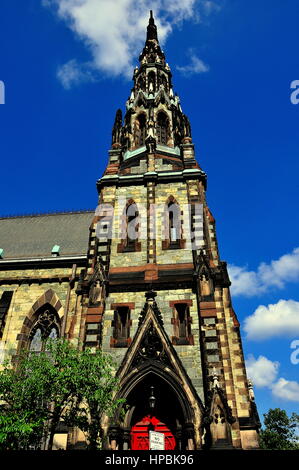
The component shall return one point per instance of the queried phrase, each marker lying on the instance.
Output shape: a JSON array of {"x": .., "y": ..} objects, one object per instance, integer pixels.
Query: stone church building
[{"x": 140, "y": 278}]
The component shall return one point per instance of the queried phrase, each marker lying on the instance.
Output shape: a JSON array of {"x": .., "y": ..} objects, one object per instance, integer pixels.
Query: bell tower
[{"x": 155, "y": 294}]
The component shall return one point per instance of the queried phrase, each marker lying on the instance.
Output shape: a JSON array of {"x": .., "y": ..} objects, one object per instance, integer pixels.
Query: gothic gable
[{"x": 151, "y": 350}]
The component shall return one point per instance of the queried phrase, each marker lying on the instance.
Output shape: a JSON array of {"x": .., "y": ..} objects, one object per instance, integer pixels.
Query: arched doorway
[{"x": 167, "y": 416}]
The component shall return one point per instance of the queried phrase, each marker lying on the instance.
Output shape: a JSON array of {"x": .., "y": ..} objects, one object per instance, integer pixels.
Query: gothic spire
[
  {"x": 152, "y": 28},
  {"x": 154, "y": 116},
  {"x": 152, "y": 51}
]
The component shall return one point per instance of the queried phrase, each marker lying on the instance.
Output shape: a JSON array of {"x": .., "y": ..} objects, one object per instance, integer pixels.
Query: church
[{"x": 141, "y": 278}]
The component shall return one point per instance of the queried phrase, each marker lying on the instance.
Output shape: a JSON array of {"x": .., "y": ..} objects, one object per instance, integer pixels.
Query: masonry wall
[
  {"x": 188, "y": 354},
  {"x": 32, "y": 288}
]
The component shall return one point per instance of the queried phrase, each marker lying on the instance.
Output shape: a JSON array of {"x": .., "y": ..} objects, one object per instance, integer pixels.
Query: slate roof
[{"x": 34, "y": 236}]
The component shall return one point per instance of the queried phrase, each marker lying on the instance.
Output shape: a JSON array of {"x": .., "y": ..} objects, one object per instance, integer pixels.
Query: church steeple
[
  {"x": 154, "y": 232},
  {"x": 154, "y": 121},
  {"x": 152, "y": 49}
]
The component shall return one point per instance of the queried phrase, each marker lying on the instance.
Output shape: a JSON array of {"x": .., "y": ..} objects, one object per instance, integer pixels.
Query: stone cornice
[{"x": 158, "y": 177}]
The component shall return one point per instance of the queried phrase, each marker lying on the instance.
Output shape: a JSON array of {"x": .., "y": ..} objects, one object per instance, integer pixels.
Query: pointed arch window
[
  {"x": 172, "y": 226},
  {"x": 121, "y": 326},
  {"x": 132, "y": 226},
  {"x": 164, "y": 82},
  {"x": 151, "y": 82},
  {"x": 140, "y": 83},
  {"x": 140, "y": 130},
  {"x": 182, "y": 324},
  {"x": 130, "y": 230},
  {"x": 162, "y": 128},
  {"x": 4, "y": 307},
  {"x": 46, "y": 326}
]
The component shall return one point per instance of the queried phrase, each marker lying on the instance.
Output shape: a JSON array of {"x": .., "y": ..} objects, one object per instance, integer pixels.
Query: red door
[{"x": 140, "y": 434}]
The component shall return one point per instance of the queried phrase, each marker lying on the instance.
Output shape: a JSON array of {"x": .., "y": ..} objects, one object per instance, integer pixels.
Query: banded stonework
[{"x": 129, "y": 280}]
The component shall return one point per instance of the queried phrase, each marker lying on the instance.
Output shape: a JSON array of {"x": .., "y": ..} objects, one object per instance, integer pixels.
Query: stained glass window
[
  {"x": 46, "y": 327},
  {"x": 36, "y": 342}
]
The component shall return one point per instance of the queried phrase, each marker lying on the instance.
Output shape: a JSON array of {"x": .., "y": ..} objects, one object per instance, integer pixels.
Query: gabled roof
[{"x": 34, "y": 236}]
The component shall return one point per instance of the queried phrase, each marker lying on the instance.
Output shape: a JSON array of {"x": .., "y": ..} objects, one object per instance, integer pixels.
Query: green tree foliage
[
  {"x": 280, "y": 431},
  {"x": 60, "y": 383},
  {"x": 96, "y": 389}
]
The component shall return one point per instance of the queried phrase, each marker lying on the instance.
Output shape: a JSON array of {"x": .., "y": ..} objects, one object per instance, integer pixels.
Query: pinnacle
[{"x": 152, "y": 28}]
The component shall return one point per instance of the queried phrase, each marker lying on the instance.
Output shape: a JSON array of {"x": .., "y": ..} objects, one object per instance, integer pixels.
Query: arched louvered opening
[
  {"x": 140, "y": 83},
  {"x": 163, "y": 81},
  {"x": 151, "y": 82},
  {"x": 140, "y": 130},
  {"x": 162, "y": 128}
]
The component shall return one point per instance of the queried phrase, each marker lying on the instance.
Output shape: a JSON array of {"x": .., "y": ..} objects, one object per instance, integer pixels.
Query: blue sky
[{"x": 66, "y": 72}]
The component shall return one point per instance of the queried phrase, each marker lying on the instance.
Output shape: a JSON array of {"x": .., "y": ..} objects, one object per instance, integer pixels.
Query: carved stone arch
[
  {"x": 168, "y": 377},
  {"x": 171, "y": 199},
  {"x": 162, "y": 102},
  {"x": 163, "y": 109},
  {"x": 49, "y": 297},
  {"x": 140, "y": 100},
  {"x": 220, "y": 419},
  {"x": 205, "y": 275},
  {"x": 173, "y": 409},
  {"x": 130, "y": 202},
  {"x": 151, "y": 360}
]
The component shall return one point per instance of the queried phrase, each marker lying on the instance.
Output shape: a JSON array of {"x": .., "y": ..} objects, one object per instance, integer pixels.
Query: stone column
[
  {"x": 188, "y": 432},
  {"x": 126, "y": 439},
  {"x": 114, "y": 434}
]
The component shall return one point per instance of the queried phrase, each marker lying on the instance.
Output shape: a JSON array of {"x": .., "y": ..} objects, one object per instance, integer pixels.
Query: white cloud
[
  {"x": 210, "y": 6},
  {"x": 280, "y": 319},
  {"x": 244, "y": 282},
  {"x": 261, "y": 371},
  {"x": 196, "y": 65},
  {"x": 114, "y": 31},
  {"x": 71, "y": 73},
  {"x": 286, "y": 389},
  {"x": 274, "y": 274}
]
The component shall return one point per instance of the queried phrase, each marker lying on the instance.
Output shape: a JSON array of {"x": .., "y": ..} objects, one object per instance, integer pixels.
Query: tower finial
[{"x": 152, "y": 28}]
